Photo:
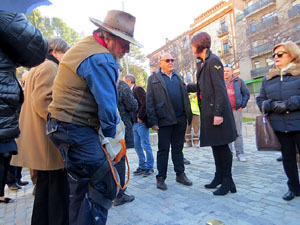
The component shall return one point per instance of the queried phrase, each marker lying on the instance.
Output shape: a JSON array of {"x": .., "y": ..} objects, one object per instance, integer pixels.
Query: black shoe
[
  {"x": 22, "y": 183},
  {"x": 138, "y": 171},
  {"x": 215, "y": 182},
  {"x": 186, "y": 162},
  {"x": 123, "y": 199},
  {"x": 148, "y": 173},
  {"x": 14, "y": 187},
  {"x": 225, "y": 188},
  {"x": 182, "y": 178},
  {"x": 279, "y": 159},
  {"x": 160, "y": 183},
  {"x": 290, "y": 195}
]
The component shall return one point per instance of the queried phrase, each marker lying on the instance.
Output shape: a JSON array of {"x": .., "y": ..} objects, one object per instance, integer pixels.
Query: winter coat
[
  {"x": 284, "y": 88},
  {"x": 241, "y": 92},
  {"x": 127, "y": 104},
  {"x": 35, "y": 149},
  {"x": 213, "y": 102},
  {"x": 21, "y": 44},
  {"x": 160, "y": 110}
]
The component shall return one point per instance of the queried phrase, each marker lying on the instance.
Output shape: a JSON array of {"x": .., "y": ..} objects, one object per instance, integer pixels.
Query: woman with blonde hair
[{"x": 280, "y": 97}]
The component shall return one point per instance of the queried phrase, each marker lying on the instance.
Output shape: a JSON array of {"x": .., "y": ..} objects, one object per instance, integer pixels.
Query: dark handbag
[{"x": 266, "y": 139}]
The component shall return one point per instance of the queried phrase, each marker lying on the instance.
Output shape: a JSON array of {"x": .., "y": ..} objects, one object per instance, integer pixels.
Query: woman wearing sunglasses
[
  {"x": 217, "y": 122},
  {"x": 280, "y": 95}
]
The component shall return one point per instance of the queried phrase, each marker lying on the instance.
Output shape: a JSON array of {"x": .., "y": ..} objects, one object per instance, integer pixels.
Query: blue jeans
[
  {"x": 141, "y": 143},
  {"x": 81, "y": 150}
]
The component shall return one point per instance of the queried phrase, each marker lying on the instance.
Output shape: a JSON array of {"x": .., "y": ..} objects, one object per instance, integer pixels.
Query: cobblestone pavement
[{"x": 260, "y": 182}]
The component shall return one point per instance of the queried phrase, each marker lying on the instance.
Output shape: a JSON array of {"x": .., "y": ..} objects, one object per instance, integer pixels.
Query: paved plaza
[{"x": 260, "y": 182}]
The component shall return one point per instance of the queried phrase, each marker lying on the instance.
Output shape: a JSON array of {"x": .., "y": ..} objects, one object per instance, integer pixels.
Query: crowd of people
[{"x": 72, "y": 94}]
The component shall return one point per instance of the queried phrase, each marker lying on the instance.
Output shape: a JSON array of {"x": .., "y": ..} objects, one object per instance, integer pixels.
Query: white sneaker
[{"x": 242, "y": 158}]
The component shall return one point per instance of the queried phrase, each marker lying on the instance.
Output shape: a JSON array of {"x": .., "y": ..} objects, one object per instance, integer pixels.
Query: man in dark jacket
[
  {"x": 127, "y": 104},
  {"x": 141, "y": 130},
  {"x": 21, "y": 44},
  {"x": 168, "y": 110},
  {"x": 238, "y": 95}
]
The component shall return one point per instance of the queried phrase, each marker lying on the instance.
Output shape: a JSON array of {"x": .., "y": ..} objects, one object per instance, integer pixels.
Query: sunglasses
[
  {"x": 228, "y": 65},
  {"x": 169, "y": 60},
  {"x": 279, "y": 54}
]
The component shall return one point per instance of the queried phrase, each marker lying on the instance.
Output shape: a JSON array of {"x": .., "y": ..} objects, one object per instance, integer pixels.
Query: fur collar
[{"x": 294, "y": 71}]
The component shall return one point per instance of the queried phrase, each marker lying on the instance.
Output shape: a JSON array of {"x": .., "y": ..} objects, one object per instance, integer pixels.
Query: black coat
[
  {"x": 160, "y": 110},
  {"x": 287, "y": 89},
  {"x": 127, "y": 104},
  {"x": 214, "y": 102},
  {"x": 20, "y": 44}
]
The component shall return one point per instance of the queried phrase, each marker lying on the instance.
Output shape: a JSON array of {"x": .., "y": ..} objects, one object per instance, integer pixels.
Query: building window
[
  {"x": 268, "y": 16},
  {"x": 257, "y": 65},
  {"x": 252, "y": 26},
  {"x": 226, "y": 47},
  {"x": 255, "y": 44},
  {"x": 224, "y": 27},
  {"x": 269, "y": 62}
]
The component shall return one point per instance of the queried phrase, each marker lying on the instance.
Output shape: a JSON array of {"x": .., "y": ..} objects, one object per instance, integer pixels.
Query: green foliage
[
  {"x": 136, "y": 61},
  {"x": 53, "y": 27}
]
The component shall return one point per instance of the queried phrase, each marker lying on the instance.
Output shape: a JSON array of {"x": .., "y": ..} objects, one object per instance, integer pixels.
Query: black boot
[
  {"x": 227, "y": 185},
  {"x": 215, "y": 182}
]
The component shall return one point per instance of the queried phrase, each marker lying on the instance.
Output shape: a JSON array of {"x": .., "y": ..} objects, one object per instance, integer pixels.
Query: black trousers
[
  {"x": 4, "y": 163},
  {"x": 223, "y": 160},
  {"x": 171, "y": 135},
  {"x": 288, "y": 142},
  {"x": 51, "y": 202},
  {"x": 121, "y": 168},
  {"x": 14, "y": 174}
]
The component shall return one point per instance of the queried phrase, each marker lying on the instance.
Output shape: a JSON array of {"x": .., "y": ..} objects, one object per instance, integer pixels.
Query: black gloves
[{"x": 279, "y": 107}]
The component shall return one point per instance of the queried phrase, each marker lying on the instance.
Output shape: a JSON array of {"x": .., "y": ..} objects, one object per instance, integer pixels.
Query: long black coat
[
  {"x": 127, "y": 104},
  {"x": 214, "y": 102}
]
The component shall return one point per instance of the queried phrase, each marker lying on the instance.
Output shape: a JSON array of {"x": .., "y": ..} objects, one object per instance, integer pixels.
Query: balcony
[
  {"x": 257, "y": 5},
  {"x": 294, "y": 11},
  {"x": 259, "y": 72},
  {"x": 261, "y": 26},
  {"x": 239, "y": 17},
  {"x": 260, "y": 50}
]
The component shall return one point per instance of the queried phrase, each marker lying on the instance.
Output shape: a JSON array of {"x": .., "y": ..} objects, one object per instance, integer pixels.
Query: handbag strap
[{"x": 263, "y": 108}]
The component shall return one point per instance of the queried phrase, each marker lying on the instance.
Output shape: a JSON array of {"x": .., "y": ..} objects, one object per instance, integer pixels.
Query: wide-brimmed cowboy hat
[{"x": 120, "y": 24}]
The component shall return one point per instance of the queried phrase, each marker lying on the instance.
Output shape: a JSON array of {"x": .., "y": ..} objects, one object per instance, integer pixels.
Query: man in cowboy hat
[{"x": 85, "y": 98}]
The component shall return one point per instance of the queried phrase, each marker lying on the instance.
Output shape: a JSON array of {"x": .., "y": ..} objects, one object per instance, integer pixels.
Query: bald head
[{"x": 166, "y": 63}]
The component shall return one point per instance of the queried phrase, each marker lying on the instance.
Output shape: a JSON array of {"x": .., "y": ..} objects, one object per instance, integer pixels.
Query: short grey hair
[{"x": 130, "y": 77}]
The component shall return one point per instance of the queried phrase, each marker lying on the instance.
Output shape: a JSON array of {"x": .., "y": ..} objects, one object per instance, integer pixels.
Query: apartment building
[
  {"x": 180, "y": 48},
  {"x": 262, "y": 25}
]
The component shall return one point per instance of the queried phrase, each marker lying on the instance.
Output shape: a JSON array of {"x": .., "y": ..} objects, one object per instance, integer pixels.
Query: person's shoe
[
  {"x": 160, "y": 183},
  {"x": 138, "y": 171},
  {"x": 22, "y": 183},
  {"x": 6, "y": 200},
  {"x": 182, "y": 178},
  {"x": 148, "y": 173},
  {"x": 290, "y": 195},
  {"x": 14, "y": 187},
  {"x": 242, "y": 158},
  {"x": 279, "y": 159},
  {"x": 224, "y": 189},
  {"x": 215, "y": 182},
  {"x": 123, "y": 199},
  {"x": 186, "y": 162}
]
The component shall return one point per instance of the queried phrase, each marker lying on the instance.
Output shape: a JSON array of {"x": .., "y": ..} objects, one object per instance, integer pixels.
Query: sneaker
[
  {"x": 242, "y": 158},
  {"x": 148, "y": 173},
  {"x": 123, "y": 199},
  {"x": 138, "y": 171}
]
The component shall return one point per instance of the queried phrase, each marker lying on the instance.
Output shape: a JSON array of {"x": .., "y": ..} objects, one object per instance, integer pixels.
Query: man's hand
[
  {"x": 139, "y": 120},
  {"x": 218, "y": 120},
  {"x": 279, "y": 107},
  {"x": 155, "y": 127}
]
